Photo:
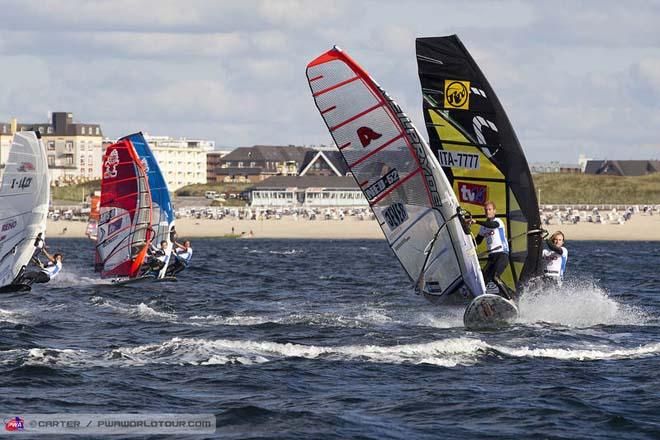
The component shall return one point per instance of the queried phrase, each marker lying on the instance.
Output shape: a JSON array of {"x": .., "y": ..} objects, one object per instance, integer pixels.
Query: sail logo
[
  {"x": 457, "y": 94},
  {"x": 110, "y": 165},
  {"x": 367, "y": 135},
  {"x": 382, "y": 184},
  {"x": 395, "y": 215},
  {"x": 472, "y": 193},
  {"x": 145, "y": 164},
  {"x": 457, "y": 159},
  {"x": 15, "y": 424},
  {"x": 115, "y": 225},
  {"x": 25, "y": 166},
  {"x": 9, "y": 225}
]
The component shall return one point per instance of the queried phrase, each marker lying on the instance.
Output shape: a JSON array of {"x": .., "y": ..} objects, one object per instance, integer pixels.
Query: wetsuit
[
  {"x": 47, "y": 273},
  {"x": 498, "y": 253},
  {"x": 554, "y": 262},
  {"x": 182, "y": 258}
]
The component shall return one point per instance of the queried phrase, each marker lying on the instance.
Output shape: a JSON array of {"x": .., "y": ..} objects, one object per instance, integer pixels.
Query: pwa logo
[
  {"x": 26, "y": 166},
  {"x": 457, "y": 94},
  {"x": 110, "y": 165},
  {"x": 472, "y": 193},
  {"x": 15, "y": 424}
]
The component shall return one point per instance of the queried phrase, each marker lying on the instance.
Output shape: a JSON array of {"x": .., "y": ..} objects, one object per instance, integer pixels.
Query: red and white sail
[
  {"x": 404, "y": 184},
  {"x": 124, "y": 230}
]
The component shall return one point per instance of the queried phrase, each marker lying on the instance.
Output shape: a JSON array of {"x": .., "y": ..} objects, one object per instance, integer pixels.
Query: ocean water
[{"x": 325, "y": 339}]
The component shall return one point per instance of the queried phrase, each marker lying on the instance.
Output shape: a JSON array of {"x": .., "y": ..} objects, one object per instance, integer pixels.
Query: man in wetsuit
[
  {"x": 157, "y": 257},
  {"x": 46, "y": 272},
  {"x": 554, "y": 259},
  {"x": 497, "y": 246},
  {"x": 182, "y": 256}
]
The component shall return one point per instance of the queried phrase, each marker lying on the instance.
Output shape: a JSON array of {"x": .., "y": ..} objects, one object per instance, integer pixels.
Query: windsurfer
[
  {"x": 182, "y": 256},
  {"x": 497, "y": 247},
  {"x": 554, "y": 258},
  {"x": 157, "y": 256},
  {"x": 46, "y": 272}
]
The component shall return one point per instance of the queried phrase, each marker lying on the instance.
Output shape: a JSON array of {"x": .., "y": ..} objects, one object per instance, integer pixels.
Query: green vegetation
[
  {"x": 593, "y": 189},
  {"x": 75, "y": 193},
  {"x": 555, "y": 189},
  {"x": 198, "y": 190}
]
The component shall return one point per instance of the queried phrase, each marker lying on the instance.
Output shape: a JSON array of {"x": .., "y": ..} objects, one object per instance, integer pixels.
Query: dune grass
[{"x": 597, "y": 189}]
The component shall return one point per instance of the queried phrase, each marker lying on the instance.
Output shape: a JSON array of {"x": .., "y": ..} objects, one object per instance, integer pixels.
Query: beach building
[
  {"x": 74, "y": 149},
  {"x": 182, "y": 161},
  {"x": 307, "y": 192},
  {"x": 259, "y": 162},
  {"x": 622, "y": 167},
  {"x": 213, "y": 162},
  {"x": 554, "y": 167},
  {"x": 322, "y": 181}
]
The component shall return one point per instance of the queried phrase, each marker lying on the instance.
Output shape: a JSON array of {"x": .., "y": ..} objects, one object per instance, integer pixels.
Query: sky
[{"x": 573, "y": 76}]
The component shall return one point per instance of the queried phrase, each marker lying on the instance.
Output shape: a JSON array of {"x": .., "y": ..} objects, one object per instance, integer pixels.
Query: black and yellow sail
[{"x": 475, "y": 143}]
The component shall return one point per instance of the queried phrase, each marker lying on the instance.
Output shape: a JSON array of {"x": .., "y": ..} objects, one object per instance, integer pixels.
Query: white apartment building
[
  {"x": 182, "y": 161},
  {"x": 73, "y": 149}
]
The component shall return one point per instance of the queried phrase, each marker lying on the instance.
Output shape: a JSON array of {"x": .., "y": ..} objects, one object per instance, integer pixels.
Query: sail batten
[{"x": 403, "y": 184}]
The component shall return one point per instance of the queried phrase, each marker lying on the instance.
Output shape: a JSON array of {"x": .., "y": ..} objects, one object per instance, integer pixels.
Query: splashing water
[{"x": 577, "y": 304}]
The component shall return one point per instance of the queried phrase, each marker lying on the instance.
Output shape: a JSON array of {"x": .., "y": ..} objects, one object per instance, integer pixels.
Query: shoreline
[{"x": 638, "y": 228}]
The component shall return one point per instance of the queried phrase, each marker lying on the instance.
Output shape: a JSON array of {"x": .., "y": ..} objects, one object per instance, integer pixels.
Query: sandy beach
[{"x": 638, "y": 228}]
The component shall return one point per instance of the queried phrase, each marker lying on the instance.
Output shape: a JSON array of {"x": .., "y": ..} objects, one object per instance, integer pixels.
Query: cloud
[{"x": 571, "y": 76}]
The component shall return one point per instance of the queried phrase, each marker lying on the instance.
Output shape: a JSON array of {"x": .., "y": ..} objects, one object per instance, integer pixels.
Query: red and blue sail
[{"x": 162, "y": 220}]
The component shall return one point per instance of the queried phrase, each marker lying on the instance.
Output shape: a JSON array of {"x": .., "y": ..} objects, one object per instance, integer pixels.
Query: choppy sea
[{"x": 325, "y": 339}]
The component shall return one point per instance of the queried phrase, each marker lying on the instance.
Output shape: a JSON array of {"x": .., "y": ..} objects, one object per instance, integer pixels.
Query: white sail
[
  {"x": 404, "y": 184},
  {"x": 24, "y": 197}
]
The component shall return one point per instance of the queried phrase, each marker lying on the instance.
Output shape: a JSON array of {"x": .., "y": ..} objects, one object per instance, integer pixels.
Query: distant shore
[{"x": 638, "y": 228}]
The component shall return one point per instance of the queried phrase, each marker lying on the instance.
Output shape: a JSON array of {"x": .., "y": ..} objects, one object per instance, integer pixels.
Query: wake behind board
[
  {"x": 142, "y": 279},
  {"x": 12, "y": 288},
  {"x": 129, "y": 281},
  {"x": 489, "y": 311},
  {"x": 166, "y": 280}
]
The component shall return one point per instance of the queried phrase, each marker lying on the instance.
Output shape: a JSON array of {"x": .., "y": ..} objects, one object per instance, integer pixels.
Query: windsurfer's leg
[{"x": 501, "y": 261}]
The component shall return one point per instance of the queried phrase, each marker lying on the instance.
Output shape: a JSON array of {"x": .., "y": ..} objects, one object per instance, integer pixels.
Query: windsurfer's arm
[
  {"x": 491, "y": 224},
  {"x": 479, "y": 238},
  {"x": 47, "y": 255}
]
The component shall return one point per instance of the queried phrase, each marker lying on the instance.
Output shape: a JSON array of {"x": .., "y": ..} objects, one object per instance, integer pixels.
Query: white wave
[
  {"x": 237, "y": 320},
  {"x": 352, "y": 319},
  {"x": 596, "y": 353},
  {"x": 70, "y": 277},
  {"x": 287, "y": 252},
  {"x": 445, "y": 317},
  {"x": 12, "y": 316},
  {"x": 579, "y": 304},
  {"x": 140, "y": 311},
  {"x": 56, "y": 357},
  {"x": 447, "y": 352}
]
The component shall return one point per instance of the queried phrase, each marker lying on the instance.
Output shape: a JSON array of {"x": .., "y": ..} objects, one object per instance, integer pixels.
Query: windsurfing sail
[
  {"x": 24, "y": 198},
  {"x": 473, "y": 140},
  {"x": 162, "y": 220},
  {"x": 124, "y": 226},
  {"x": 402, "y": 181}
]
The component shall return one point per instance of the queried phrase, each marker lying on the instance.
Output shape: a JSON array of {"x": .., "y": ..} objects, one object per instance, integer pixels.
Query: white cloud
[{"x": 570, "y": 75}]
